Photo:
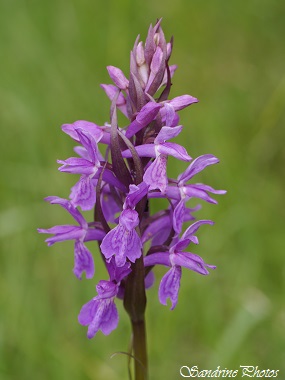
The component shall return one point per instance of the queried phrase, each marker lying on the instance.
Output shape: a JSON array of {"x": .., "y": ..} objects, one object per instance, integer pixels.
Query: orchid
[{"x": 122, "y": 185}]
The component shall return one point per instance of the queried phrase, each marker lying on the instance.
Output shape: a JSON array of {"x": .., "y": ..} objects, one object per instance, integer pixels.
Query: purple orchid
[
  {"x": 175, "y": 258},
  {"x": 123, "y": 241},
  {"x": 83, "y": 260},
  {"x": 181, "y": 192},
  {"x": 101, "y": 313},
  {"x": 155, "y": 175},
  {"x": 122, "y": 186}
]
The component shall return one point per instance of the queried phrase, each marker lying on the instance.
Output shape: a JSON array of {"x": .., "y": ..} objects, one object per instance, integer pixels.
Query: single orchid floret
[
  {"x": 101, "y": 313},
  {"x": 123, "y": 241},
  {"x": 155, "y": 175},
  {"x": 88, "y": 165},
  {"x": 83, "y": 260},
  {"x": 83, "y": 193},
  {"x": 180, "y": 192},
  {"x": 175, "y": 258}
]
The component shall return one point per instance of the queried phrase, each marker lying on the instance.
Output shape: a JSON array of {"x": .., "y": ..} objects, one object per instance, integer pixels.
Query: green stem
[
  {"x": 140, "y": 349},
  {"x": 135, "y": 304}
]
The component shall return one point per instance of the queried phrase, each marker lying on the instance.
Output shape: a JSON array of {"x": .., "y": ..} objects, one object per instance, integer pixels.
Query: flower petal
[
  {"x": 178, "y": 216},
  {"x": 145, "y": 150},
  {"x": 189, "y": 233},
  {"x": 182, "y": 101},
  {"x": 196, "y": 166},
  {"x": 118, "y": 77},
  {"x": 92, "y": 128},
  {"x": 122, "y": 244},
  {"x": 88, "y": 311},
  {"x": 169, "y": 286},
  {"x": 83, "y": 261},
  {"x": 68, "y": 206},
  {"x": 175, "y": 150},
  {"x": 146, "y": 115},
  {"x": 62, "y": 234},
  {"x": 155, "y": 175},
  {"x": 167, "y": 133},
  {"x": 191, "y": 261}
]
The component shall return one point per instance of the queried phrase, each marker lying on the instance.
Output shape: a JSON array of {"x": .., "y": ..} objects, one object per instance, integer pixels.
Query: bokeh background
[{"x": 231, "y": 56}]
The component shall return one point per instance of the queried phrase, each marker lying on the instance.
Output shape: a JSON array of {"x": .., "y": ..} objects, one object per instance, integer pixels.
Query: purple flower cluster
[{"x": 121, "y": 183}]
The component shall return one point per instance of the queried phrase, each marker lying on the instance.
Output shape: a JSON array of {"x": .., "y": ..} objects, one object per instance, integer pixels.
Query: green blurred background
[{"x": 231, "y": 56}]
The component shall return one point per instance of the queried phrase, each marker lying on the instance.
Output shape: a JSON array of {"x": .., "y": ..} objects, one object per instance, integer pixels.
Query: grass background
[{"x": 231, "y": 56}]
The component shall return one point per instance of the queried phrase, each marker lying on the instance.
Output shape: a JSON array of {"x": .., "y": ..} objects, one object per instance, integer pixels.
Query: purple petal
[
  {"x": 191, "y": 261},
  {"x": 88, "y": 311},
  {"x": 167, "y": 117},
  {"x": 157, "y": 64},
  {"x": 110, "y": 317},
  {"x": 188, "y": 234},
  {"x": 77, "y": 165},
  {"x": 136, "y": 193},
  {"x": 129, "y": 219},
  {"x": 173, "y": 192},
  {"x": 106, "y": 289},
  {"x": 158, "y": 258},
  {"x": 62, "y": 234},
  {"x": 169, "y": 286},
  {"x": 193, "y": 191},
  {"x": 110, "y": 178},
  {"x": 182, "y": 101},
  {"x": 123, "y": 244},
  {"x": 62, "y": 229},
  {"x": 170, "y": 115},
  {"x": 67, "y": 205},
  {"x": 94, "y": 129},
  {"x": 146, "y": 150},
  {"x": 155, "y": 175},
  {"x": 179, "y": 246},
  {"x": 118, "y": 273},
  {"x": 83, "y": 193},
  {"x": 146, "y": 115},
  {"x": 83, "y": 261},
  {"x": 167, "y": 133},
  {"x": 149, "y": 280},
  {"x": 178, "y": 216},
  {"x": 197, "y": 165},
  {"x": 118, "y": 77},
  {"x": 99, "y": 314},
  {"x": 109, "y": 206},
  {"x": 159, "y": 228},
  {"x": 94, "y": 234},
  {"x": 175, "y": 150},
  {"x": 90, "y": 145},
  {"x": 208, "y": 188}
]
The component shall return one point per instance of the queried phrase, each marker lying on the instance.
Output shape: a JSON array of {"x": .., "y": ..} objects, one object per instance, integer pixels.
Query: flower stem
[
  {"x": 135, "y": 304},
  {"x": 140, "y": 349}
]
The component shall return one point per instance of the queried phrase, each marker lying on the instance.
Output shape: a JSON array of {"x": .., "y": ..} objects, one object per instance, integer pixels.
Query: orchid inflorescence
[{"x": 121, "y": 184}]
